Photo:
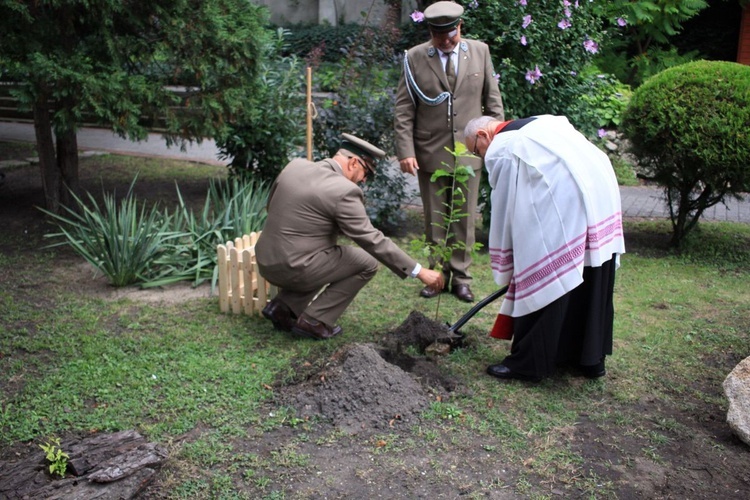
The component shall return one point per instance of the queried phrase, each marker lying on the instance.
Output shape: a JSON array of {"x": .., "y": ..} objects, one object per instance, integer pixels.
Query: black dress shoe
[
  {"x": 428, "y": 292},
  {"x": 309, "y": 327},
  {"x": 463, "y": 292},
  {"x": 502, "y": 371},
  {"x": 594, "y": 371},
  {"x": 280, "y": 315}
]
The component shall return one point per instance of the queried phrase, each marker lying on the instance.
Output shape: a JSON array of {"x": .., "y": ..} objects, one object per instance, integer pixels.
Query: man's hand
[
  {"x": 409, "y": 165},
  {"x": 433, "y": 279}
]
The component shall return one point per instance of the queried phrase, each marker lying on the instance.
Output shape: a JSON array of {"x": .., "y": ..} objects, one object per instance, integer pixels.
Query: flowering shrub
[{"x": 540, "y": 48}]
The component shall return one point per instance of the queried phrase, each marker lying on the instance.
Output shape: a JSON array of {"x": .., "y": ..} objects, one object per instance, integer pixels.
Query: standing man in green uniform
[{"x": 446, "y": 82}]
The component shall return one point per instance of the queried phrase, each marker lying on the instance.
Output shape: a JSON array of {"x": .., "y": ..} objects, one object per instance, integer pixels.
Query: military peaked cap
[{"x": 443, "y": 16}]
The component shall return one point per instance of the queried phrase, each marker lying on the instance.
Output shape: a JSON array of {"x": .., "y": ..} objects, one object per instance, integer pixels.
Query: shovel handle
[{"x": 466, "y": 317}]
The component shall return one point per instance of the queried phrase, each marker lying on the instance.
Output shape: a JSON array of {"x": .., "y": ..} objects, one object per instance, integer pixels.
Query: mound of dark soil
[
  {"x": 363, "y": 392},
  {"x": 371, "y": 386},
  {"x": 420, "y": 332}
]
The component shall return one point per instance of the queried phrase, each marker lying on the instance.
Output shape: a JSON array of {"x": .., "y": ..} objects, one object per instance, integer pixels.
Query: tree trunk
[
  {"x": 67, "y": 160},
  {"x": 51, "y": 179}
]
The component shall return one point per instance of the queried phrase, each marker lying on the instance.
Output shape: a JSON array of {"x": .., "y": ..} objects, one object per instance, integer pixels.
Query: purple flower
[
  {"x": 621, "y": 22},
  {"x": 564, "y": 24},
  {"x": 417, "y": 16},
  {"x": 526, "y": 21},
  {"x": 533, "y": 75},
  {"x": 601, "y": 133},
  {"x": 568, "y": 14},
  {"x": 573, "y": 73},
  {"x": 496, "y": 76},
  {"x": 523, "y": 40},
  {"x": 566, "y": 3},
  {"x": 474, "y": 4},
  {"x": 591, "y": 46},
  {"x": 522, "y": 2}
]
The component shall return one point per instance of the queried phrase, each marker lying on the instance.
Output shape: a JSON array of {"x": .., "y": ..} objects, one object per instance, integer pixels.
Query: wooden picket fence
[{"x": 241, "y": 287}]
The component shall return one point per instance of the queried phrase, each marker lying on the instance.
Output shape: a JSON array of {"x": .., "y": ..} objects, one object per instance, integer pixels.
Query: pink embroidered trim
[{"x": 551, "y": 267}]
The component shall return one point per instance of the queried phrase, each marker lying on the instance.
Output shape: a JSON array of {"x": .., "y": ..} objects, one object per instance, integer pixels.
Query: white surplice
[{"x": 555, "y": 209}]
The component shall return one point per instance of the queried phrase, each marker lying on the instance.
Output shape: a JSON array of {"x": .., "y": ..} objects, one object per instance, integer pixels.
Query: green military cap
[
  {"x": 363, "y": 149},
  {"x": 443, "y": 16}
]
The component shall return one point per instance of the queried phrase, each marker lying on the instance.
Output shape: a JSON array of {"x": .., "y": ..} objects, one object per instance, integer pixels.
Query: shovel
[{"x": 466, "y": 317}]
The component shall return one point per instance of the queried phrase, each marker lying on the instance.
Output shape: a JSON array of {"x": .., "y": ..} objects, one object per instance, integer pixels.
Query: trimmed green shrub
[{"x": 688, "y": 126}]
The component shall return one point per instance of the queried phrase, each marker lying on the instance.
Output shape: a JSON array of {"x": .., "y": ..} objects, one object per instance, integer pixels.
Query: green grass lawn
[{"x": 73, "y": 361}]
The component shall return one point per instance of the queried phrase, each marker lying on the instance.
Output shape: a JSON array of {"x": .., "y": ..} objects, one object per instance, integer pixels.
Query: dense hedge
[
  {"x": 337, "y": 41},
  {"x": 689, "y": 128}
]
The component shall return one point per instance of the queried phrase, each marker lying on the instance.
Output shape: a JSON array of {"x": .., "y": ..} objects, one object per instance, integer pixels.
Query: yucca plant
[
  {"x": 122, "y": 240},
  {"x": 232, "y": 208}
]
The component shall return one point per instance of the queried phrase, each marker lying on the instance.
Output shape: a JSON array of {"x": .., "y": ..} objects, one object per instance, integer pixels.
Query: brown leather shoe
[
  {"x": 280, "y": 315},
  {"x": 463, "y": 292},
  {"x": 307, "y": 326},
  {"x": 428, "y": 292}
]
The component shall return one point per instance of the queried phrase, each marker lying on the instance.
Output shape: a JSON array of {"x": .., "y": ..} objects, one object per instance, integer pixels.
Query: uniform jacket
[
  {"x": 424, "y": 131},
  {"x": 309, "y": 206}
]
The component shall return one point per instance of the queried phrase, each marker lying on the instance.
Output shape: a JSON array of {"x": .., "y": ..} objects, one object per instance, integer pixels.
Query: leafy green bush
[
  {"x": 639, "y": 41},
  {"x": 304, "y": 39},
  {"x": 261, "y": 140},
  {"x": 122, "y": 241},
  {"x": 601, "y": 104},
  {"x": 334, "y": 43},
  {"x": 362, "y": 104},
  {"x": 689, "y": 130}
]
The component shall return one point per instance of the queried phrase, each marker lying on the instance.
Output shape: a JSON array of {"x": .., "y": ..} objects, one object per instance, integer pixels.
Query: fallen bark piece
[
  {"x": 129, "y": 462},
  {"x": 101, "y": 467}
]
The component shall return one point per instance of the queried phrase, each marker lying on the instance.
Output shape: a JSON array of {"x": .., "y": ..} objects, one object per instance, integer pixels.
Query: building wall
[
  {"x": 743, "y": 46},
  {"x": 333, "y": 12}
]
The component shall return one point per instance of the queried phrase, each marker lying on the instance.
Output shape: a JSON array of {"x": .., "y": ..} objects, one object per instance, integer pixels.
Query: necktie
[{"x": 450, "y": 71}]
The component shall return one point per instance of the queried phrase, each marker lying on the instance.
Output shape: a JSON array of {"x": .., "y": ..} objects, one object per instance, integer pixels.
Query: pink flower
[
  {"x": 417, "y": 16},
  {"x": 523, "y": 40},
  {"x": 564, "y": 24},
  {"x": 526, "y": 21},
  {"x": 591, "y": 46},
  {"x": 601, "y": 133},
  {"x": 522, "y": 2},
  {"x": 533, "y": 75},
  {"x": 567, "y": 12},
  {"x": 621, "y": 22}
]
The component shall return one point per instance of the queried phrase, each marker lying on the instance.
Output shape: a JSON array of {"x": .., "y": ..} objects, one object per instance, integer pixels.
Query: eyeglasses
[
  {"x": 475, "y": 150},
  {"x": 364, "y": 166}
]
